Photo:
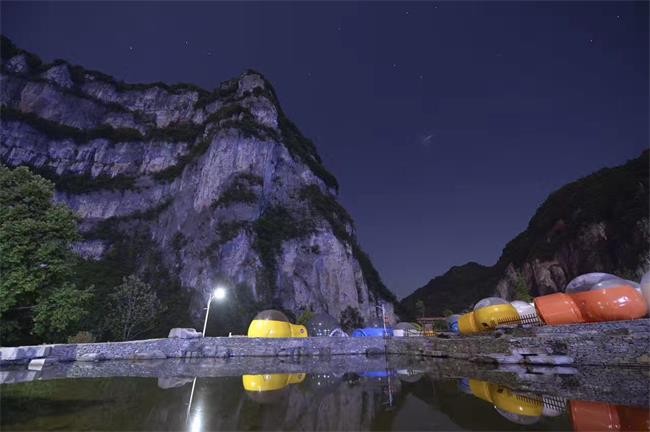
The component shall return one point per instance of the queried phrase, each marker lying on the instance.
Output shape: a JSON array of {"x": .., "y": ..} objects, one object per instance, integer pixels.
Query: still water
[{"x": 386, "y": 399}]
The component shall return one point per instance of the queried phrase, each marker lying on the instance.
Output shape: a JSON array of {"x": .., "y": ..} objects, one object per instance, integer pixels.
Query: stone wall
[{"x": 614, "y": 343}]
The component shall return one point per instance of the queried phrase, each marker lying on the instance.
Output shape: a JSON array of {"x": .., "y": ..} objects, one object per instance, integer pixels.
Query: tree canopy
[{"x": 38, "y": 300}]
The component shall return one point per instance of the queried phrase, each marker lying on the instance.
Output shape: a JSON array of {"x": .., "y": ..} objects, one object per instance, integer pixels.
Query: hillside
[
  {"x": 597, "y": 223},
  {"x": 189, "y": 189}
]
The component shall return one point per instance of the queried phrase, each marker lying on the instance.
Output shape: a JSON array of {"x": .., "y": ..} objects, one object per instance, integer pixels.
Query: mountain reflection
[{"x": 381, "y": 399}]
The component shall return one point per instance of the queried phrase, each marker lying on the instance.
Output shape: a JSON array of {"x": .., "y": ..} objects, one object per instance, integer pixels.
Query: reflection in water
[
  {"x": 590, "y": 416},
  {"x": 525, "y": 409},
  {"x": 384, "y": 399},
  {"x": 516, "y": 407}
]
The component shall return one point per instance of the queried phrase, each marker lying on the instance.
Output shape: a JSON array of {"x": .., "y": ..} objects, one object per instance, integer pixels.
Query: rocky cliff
[
  {"x": 597, "y": 223},
  {"x": 188, "y": 188}
]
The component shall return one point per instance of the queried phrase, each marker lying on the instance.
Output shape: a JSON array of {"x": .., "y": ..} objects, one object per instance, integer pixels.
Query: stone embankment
[{"x": 624, "y": 343}]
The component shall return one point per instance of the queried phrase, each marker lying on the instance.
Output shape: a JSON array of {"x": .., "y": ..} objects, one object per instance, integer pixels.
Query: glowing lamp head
[{"x": 219, "y": 293}]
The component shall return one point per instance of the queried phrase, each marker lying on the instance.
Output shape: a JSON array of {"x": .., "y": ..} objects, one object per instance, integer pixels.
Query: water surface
[{"x": 382, "y": 399}]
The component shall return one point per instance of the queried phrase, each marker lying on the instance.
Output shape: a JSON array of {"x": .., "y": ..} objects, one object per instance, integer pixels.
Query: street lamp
[{"x": 218, "y": 294}]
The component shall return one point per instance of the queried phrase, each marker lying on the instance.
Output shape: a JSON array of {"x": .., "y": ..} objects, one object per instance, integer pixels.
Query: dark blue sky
[{"x": 446, "y": 124}]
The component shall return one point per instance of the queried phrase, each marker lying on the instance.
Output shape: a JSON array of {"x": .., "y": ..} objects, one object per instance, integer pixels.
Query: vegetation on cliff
[
  {"x": 156, "y": 242},
  {"x": 617, "y": 198}
]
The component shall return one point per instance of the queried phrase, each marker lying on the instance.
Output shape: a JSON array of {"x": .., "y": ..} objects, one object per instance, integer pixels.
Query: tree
[
  {"x": 38, "y": 301},
  {"x": 133, "y": 309},
  {"x": 305, "y": 317},
  {"x": 521, "y": 290},
  {"x": 419, "y": 308},
  {"x": 351, "y": 319},
  {"x": 447, "y": 312}
]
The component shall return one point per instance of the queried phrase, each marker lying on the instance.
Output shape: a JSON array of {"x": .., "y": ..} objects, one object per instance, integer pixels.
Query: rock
[
  {"x": 90, "y": 357},
  {"x": 549, "y": 359},
  {"x": 149, "y": 355},
  {"x": 184, "y": 333},
  {"x": 24, "y": 353},
  {"x": 60, "y": 75},
  {"x": 17, "y": 376},
  {"x": 173, "y": 382},
  {"x": 18, "y": 64}
]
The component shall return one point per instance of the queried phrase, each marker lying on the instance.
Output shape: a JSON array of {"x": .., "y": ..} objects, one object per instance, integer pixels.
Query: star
[
  {"x": 338, "y": 28},
  {"x": 209, "y": 53},
  {"x": 130, "y": 47},
  {"x": 406, "y": 13},
  {"x": 187, "y": 43},
  {"x": 591, "y": 41},
  {"x": 421, "y": 76},
  {"x": 618, "y": 17},
  {"x": 394, "y": 65}
]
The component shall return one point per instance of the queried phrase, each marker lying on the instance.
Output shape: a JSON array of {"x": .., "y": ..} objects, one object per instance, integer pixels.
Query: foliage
[
  {"x": 81, "y": 337},
  {"x": 420, "y": 308},
  {"x": 9, "y": 50},
  {"x": 229, "y": 230},
  {"x": 339, "y": 219},
  {"x": 275, "y": 226},
  {"x": 299, "y": 146},
  {"x": 239, "y": 191},
  {"x": 177, "y": 132},
  {"x": 58, "y": 131},
  {"x": 456, "y": 290},
  {"x": 521, "y": 290},
  {"x": 126, "y": 255},
  {"x": 132, "y": 308},
  {"x": 616, "y": 195},
  {"x": 235, "y": 313},
  {"x": 239, "y": 117},
  {"x": 351, "y": 319},
  {"x": 84, "y": 183},
  {"x": 37, "y": 296},
  {"x": 227, "y": 90},
  {"x": 107, "y": 228},
  {"x": 447, "y": 312},
  {"x": 305, "y": 317}
]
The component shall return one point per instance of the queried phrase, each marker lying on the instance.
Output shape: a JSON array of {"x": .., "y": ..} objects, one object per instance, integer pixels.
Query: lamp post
[{"x": 218, "y": 294}]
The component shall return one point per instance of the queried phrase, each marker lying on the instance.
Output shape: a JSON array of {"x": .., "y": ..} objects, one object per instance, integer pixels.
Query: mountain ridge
[
  {"x": 596, "y": 223},
  {"x": 196, "y": 188}
]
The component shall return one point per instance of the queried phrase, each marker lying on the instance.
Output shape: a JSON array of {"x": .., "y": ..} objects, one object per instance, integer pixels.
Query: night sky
[{"x": 446, "y": 124}]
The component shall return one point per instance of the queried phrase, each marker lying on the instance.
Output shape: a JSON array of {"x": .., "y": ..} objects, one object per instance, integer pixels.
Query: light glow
[
  {"x": 197, "y": 423},
  {"x": 219, "y": 293}
]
